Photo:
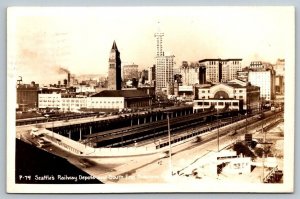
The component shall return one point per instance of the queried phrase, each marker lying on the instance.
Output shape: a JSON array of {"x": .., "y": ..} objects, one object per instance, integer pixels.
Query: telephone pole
[{"x": 170, "y": 147}]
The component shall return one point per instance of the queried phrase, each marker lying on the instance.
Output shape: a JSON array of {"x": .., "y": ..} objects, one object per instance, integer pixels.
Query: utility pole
[
  {"x": 263, "y": 161},
  {"x": 218, "y": 133},
  {"x": 53, "y": 129},
  {"x": 170, "y": 148},
  {"x": 264, "y": 153},
  {"x": 218, "y": 130}
]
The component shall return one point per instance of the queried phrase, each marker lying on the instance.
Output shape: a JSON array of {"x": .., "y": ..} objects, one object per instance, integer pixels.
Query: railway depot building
[
  {"x": 235, "y": 94},
  {"x": 119, "y": 99},
  {"x": 27, "y": 96},
  {"x": 108, "y": 99}
]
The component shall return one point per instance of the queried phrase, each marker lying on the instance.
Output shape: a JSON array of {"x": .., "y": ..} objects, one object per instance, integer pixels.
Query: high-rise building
[
  {"x": 202, "y": 75},
  {"x": 256, "y": 65},
  {"x": 164, "y": 71},
  {"x": 266, "y": 81},
  {"x": 151, "y": 75},
  {"x": 279, "y": 67},
  {"x": 114, "y": 70},
  {"x": 221, "y": 70},
  {"x": 164, "y": 65},
  {"x": 130, "y": 72},
  {"x": 27, "y": 96},
  {"x": 189, "y": 73},
  {"x": 159, "y": 46},
  {"x": 243, "y": 75},
  {"x": 144, "y": 74}
]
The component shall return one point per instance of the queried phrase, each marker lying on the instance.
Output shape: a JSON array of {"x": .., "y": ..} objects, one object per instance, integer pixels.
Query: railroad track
[{"x": 129, "y": 135}]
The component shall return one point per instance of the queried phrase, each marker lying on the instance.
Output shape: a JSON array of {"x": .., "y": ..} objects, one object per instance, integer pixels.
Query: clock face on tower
[{"x": 112, "y": 55}]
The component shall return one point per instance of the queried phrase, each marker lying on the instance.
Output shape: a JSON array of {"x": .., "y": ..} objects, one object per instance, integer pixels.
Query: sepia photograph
[{"x": 150, "y": 99}]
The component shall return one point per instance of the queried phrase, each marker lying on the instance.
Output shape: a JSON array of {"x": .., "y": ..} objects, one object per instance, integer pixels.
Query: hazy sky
[{"x": 43, "y": 40}]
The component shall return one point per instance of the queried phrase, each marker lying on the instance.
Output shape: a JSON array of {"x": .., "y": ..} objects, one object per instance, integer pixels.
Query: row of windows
[
  {"x": 107, "y": 106},
  {"x": 207, "y": 91},
  {"x": 72, "y": 100},
  {"x": 73, "y": 104},
  {"x": 104, "y": 102},
  {"x": 219, "y": 103},
  {"x": 235, "y": 97},
  {"x": 49, "y": 105},
  {"x": 49, "y": 101}
]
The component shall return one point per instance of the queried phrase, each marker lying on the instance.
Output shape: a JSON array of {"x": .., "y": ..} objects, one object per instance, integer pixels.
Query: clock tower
[{"x": 114, "y": 70}]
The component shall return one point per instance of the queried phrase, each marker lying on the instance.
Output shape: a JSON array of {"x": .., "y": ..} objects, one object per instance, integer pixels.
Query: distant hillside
[{"x": 90, "y": 76}]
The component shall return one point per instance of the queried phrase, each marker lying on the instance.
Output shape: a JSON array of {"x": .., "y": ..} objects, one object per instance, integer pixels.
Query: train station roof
[
  {"x": 219, "y": 59},
  {"x": 122, "y": 93}
]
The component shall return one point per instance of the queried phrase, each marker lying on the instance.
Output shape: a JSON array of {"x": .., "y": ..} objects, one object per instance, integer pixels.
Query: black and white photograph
[{"x": 150, "y": 99}]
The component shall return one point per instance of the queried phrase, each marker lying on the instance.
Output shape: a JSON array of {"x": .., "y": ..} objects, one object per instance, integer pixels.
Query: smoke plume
[{"x": 63, "y": 70}]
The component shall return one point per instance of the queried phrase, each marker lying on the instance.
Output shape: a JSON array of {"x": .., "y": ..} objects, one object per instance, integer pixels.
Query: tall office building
[
  {"x": 151, "y": 75},
  {"x": 279, "y": 67},
  {"x": 164, "y": 65},
  {"x": 202, "y": 75},
  {"x": 265, "y": 79},
  {"x": 27, "y": 96},
  {"x": 221, "y": 70},
  {"x": 189, "y": 73},
  {"x": 114, "y": 70},
  {"x": 159, "y": 46},
  {"x": 130, "y": 72}
]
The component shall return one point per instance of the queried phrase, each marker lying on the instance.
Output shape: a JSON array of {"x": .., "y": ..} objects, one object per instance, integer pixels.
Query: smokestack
[
  {"x": 58, "y": 83},
  {"x": 65, "y": 82},
  {"x": 69, "y": 78}
]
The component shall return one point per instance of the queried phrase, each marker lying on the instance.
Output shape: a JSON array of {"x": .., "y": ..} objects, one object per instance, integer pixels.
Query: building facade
[
  {"x": 49, "y": 100},
  {"x": 189, "y": 73},
  {"x": 279, "y": 85},
  {"x": 85, "y": 89},
  {"x": 144, "y": 74},
  {"x": 221, "y": 70},
  {"x": 163, "y": 66},
  {"x": 151, "y": 75},
  {"x": 116, "y": 103},
  {"x": 164, "y": 72},
  {"x": 114, "y": 70},
  {"x": 27, "y": 96},
  {"x": 265, "y": 79},
  {"x": 234, "y": 94},
  {"x": 243, "y": 75},
  {"x": 124, "y": 98},
  {"x": 130, "y": 72},
  {"x": 256, "y": 65},
  {"x": 73, "y": 104},
  {"x": 279, "y": 67},
  {"x": 107, "y": 99},
  {"x": 185, "y": 93}
]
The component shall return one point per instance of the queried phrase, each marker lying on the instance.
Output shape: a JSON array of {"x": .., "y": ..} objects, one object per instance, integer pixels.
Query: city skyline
[
  {"x": 48, "y": 39},
  {"x": 200, "y": 119}
]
